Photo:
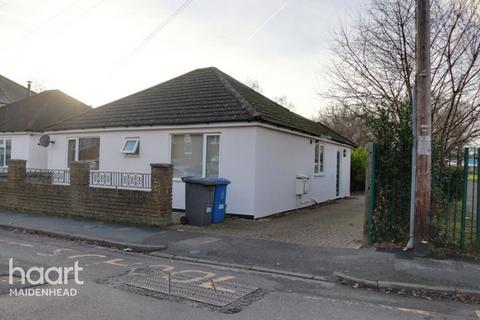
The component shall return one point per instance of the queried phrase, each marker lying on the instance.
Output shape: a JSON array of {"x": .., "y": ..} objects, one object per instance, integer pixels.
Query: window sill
[{"x": 319, "y": 175}]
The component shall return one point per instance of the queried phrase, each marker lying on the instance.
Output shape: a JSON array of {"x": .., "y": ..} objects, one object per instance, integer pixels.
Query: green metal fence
[{"x": 455, "y": 213}]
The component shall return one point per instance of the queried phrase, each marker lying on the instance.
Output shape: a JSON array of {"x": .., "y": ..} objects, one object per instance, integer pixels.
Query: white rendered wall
[
  {"x": 261, "y": 163},
  {"x": 236, "y": 159},
  {"x": 24, "y": 147},
  {"x": 20, "y": 145},
  {"x": 280, "y": 157},
  {"x": 38, "y": 155}
]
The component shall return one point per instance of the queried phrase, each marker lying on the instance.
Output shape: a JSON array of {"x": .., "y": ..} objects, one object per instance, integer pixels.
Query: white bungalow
[{"x": 208, "y": 124}]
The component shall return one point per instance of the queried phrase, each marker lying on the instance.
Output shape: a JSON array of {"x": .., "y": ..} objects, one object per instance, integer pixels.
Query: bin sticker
[
  {"x": 209, "y": 210},
  {"x": 220, "y": 206}
]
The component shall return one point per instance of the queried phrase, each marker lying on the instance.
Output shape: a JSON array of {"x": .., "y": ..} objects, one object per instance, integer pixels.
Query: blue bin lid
[{"x": 206, "y": 181}]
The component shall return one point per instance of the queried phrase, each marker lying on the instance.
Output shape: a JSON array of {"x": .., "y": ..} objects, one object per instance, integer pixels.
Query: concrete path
[{"x": 338, "y": 224}]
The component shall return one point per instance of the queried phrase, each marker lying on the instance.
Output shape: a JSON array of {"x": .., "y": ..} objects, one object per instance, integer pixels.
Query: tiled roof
[
  {"x": 11, "y": 91},
  {"x": 201, "y": 96},
  {"x": 35, "y": 113}
]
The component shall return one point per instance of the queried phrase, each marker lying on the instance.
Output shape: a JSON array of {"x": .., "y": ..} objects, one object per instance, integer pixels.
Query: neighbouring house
[
  {"x": 206, "y": 123},
  {"x": 22, "y": 124},
  {"x": 11, "y": 91}
]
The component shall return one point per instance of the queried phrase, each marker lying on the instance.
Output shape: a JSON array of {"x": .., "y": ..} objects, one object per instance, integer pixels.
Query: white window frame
[
  {"x": 319, "y": 169},
  {"x": 76, "y": 150},
  {"x": 4, "y": 146},
  {"x": 135, "y": 151},
  {"x": 204, "y": 156},
  {"x": 204, "y": 151}
]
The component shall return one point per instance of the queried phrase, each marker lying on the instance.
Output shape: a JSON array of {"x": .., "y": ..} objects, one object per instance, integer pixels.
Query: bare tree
[
  {"x": 281, "y": 100},
  {"x": 284, "y": 102},
  {"x": 344, "y": 121},
  {"x": 254, "y": 85},
  {"x": 375, "y": 64}
]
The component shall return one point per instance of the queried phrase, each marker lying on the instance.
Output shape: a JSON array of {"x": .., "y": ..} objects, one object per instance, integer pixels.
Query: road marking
[
  {"x": 208, "y": 284},
  {"x": 203, "y": 278},
  {"x": 54, "y": 254},
  {"x": 87, "y": 255},
  {"x": 207, "y": 275},
  {"x": 18, "y": 243},
  {"x": 166, "y": 268},
  {"x": 21, "y": 244},
  {"x": 422, "y": 312},
  {"x": 114, "y": 262},
  {"x": 6, "y": 279},
  {"x": 477, "y": 312}
]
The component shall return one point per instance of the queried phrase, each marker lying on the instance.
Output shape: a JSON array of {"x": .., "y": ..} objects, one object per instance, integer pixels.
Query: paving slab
[{"x": 338, "y": 224}]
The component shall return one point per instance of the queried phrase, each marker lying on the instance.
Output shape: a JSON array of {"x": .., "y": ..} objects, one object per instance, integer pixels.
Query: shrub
[{"x": 358, "y": 167}]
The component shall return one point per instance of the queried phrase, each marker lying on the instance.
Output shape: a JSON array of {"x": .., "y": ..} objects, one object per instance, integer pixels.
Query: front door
[{"x": 337, "y": 181}]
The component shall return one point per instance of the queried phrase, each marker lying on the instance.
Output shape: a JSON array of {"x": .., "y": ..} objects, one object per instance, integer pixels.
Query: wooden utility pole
[{"x": 424, "y": 128}]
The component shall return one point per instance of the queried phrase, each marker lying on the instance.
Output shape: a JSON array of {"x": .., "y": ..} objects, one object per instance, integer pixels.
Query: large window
[
  {"x": 84, "y": 149},
  {"x": 195, "y": 155},
  {"x": 5, "y": 151},
  {"x": 318, "y": 159}
]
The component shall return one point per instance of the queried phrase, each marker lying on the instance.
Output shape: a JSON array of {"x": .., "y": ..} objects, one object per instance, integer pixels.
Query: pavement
[{"x": 267, "y": 255}]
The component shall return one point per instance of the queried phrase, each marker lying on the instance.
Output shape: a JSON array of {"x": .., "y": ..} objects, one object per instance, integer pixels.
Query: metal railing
[
  {"x": 100, "y": 179},
  {"x": 47, "y": 176},
  {"x": 120, "y": 180}
]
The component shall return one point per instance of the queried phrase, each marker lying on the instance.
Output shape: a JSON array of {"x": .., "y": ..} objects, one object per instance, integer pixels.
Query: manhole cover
[{"x": 208, "y": 292}]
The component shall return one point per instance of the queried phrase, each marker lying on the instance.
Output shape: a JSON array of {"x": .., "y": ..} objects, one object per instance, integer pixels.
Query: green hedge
[{"x": 358, "y": 167}]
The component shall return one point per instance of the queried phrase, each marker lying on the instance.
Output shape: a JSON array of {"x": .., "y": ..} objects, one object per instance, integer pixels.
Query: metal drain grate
[{"x": 219, "y": 295}]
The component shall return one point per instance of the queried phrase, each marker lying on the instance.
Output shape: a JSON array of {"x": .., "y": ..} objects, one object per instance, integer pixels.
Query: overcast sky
[{"x": 95, "y": 51}]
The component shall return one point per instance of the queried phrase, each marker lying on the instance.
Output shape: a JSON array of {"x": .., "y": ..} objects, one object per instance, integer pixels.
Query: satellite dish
[{"x": 45, "y": 141}]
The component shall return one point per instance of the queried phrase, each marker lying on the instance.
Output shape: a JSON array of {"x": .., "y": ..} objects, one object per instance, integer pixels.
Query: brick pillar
[
  {"x": 162, "y": 174},
  {"x": 80, "y": 174},
  {"x": 79, "y": 182},
  {"x": 17, "y": 170}
]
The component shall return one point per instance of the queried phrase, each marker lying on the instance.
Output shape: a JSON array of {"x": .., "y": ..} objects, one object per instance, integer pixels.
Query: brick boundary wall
[{"x": 80, "y": 200}]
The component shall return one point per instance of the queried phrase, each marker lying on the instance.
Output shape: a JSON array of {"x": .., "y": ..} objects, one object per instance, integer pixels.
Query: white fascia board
[
  {"x": 29, "y": 133},
  {"x": 212, "y": 126}
]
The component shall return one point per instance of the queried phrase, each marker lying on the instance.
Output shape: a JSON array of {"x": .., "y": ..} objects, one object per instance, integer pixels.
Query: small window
[
  {"x": 318, "y": 159},
  {"x": 131, "y": 146}
]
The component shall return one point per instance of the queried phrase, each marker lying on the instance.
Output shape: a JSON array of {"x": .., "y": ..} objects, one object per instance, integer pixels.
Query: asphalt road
[{"x": 104, "y": 295}]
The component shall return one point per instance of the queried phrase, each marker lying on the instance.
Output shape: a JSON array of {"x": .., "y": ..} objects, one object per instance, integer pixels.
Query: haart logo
[{"x": 39, "y": 275}]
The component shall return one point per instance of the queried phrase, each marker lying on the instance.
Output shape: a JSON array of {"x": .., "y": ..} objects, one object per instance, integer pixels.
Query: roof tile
[{"x": 201, "y": 96}]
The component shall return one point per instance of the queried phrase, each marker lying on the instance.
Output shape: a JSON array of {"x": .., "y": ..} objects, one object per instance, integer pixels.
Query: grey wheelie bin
[{"x": 205, "y": 200}]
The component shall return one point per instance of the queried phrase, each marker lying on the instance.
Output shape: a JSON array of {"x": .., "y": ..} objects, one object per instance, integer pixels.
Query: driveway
[{"x": 338, "y": 224}]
